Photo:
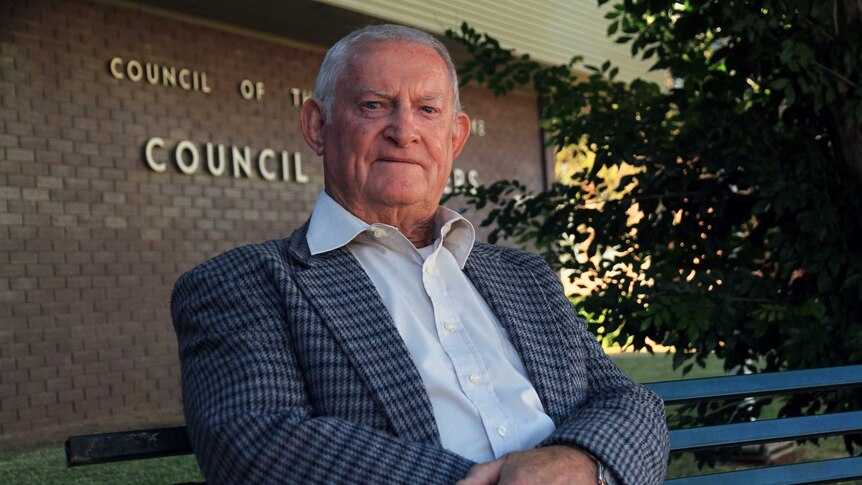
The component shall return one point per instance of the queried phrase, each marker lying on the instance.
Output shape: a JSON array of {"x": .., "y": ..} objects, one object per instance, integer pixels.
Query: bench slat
[
  {"x": 727, "y": 387},
  {"x": 153, "y": 443},
  {"x": 126, "y": 445},
  {"x": 784, "y": 429},
  {"x": 825, "y": 471}
]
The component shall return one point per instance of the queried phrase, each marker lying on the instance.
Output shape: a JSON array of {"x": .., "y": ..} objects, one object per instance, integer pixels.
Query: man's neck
[{"x": 416, "y": 223}]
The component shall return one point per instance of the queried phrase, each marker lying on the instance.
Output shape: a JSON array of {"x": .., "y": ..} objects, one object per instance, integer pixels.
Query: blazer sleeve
[
  {"x": 245, "y": 399},
  {"x": 622, "y": 424}
]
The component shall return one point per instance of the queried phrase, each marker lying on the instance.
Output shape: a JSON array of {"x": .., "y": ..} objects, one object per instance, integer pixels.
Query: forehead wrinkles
[{"x": 355, "y": 75}]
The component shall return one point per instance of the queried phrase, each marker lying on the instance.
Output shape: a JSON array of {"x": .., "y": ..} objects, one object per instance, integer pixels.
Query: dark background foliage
[{"x": 748, "y": 175}]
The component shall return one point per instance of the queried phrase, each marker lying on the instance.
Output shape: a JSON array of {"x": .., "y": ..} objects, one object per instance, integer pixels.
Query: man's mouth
[{"x": 398, "y": 160}]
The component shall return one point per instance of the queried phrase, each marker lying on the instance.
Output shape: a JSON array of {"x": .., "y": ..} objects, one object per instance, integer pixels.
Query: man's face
[{"x": 392, "y": 134}]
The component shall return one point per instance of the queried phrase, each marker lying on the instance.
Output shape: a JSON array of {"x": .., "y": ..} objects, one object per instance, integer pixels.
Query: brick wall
[{"x": 92, "y": 239}]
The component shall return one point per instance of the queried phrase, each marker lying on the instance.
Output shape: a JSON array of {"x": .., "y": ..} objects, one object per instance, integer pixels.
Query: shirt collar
[
  {"x": 457, "y": 233},
  {"x": 333, "y": 226}
]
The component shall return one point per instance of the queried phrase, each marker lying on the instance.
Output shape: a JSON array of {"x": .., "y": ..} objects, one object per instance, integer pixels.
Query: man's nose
[{"x": 401, "y": 129}]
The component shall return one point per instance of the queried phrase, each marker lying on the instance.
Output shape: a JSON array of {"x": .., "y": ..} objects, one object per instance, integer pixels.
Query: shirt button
[
  {"x": 428, "y": 269},
  {"x": 449, "y": 326},
  {"x": 502, "y": 431},
  {"x": 379, "y": 233},
  {"x": 474, "y": 378}
]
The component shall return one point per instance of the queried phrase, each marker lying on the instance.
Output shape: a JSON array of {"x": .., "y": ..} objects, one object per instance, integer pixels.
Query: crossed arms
[{"x": 271, "y": 398}]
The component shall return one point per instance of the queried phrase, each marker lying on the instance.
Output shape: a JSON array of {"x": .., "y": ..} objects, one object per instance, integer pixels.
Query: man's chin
[{"x": 406, "y": 197}]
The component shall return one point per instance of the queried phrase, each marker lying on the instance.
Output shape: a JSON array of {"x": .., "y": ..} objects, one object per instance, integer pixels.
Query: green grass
[
  {"x": 643, "y": 368},
  {"x": 47, "y": 466}
]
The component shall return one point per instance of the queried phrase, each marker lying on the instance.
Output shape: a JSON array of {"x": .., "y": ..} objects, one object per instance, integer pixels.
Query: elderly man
[{"x": 379, "y": 343}]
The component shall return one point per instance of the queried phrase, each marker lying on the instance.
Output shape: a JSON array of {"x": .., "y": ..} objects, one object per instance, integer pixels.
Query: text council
[
  {"x": 137, "y": 71},
  {"x": 210, "y": 157}
]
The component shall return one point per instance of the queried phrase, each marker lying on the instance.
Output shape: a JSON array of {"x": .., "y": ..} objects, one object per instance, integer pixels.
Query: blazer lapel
[
  {"x": 350, "y": 306},
  {"x": 514, "y": 295}
]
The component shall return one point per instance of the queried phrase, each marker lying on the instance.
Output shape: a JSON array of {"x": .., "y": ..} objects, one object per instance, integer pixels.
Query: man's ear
[
  {"x": 311, "y": 119},
  {"x": 460, "y": 133}
]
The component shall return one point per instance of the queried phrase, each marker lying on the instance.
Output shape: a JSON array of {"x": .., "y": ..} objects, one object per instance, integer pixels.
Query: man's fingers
[
  {"x": 483, "y": 474},
  {"x": 564, "y": 465}
]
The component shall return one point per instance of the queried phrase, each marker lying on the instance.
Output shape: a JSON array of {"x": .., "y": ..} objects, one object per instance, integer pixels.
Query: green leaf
[
  {"x": 789, "y": 95},
  {"x": 742, "y": 177}
]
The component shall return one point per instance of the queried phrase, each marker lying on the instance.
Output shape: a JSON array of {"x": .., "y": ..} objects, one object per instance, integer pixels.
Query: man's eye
[
  {"x": 371, "y": 105},
  {"x": 429, "y": 109}
]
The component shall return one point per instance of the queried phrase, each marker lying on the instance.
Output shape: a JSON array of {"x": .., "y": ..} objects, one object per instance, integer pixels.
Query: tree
[{"x": 737, "y": 229}]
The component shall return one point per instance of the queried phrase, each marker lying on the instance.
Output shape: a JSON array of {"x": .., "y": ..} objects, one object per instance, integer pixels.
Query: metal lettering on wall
[
  {"x": 460, "y": 178},
  {"x": 270, "y": 165},
  {"x": 136, "y": 71},
  {"x": 190, "y": 158}
]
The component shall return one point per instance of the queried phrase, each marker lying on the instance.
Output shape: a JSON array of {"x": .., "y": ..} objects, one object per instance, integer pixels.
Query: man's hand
[{"x": 541, "y": 466}]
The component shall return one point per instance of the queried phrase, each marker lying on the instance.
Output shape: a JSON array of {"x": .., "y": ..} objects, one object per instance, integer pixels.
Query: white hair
[{"x": 337, "y": 58}]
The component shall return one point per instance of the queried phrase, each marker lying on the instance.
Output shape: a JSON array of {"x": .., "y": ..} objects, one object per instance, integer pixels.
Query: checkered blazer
[{"x": 293, "y": 372}]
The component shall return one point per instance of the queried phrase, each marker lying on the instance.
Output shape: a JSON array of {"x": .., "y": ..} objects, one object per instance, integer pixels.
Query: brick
[
  {"x": 38, "y": 322},
  {"x": 32, "y": 412},
  {"x": 159, "y": 396},
  {"x": 111, "y": 402},
  {"x": 18, "y": 426},
  {"x": 40, "y": 270},
  {"x": 7, "y": 390},
  {"x": 17, "y": 349},
  {"x": 29, "y": 387},
  {"x": 61, "y": 410},
  {"x": 136, "y": 377},
  {"x": 8, "y": 140},
  {"x": 31, "y": 362},
  {"x": 59, "y": 359},
  {"x": 92, "y": 393},
  {"x": 6, "y": 363},
  {"x": 60, "y": 145},
  {"x": 14, "y": 403},
  {"x": 49, "y": 182},
  {"x": 43, "y": 399},
  {"x": 120, "y": 366},
  {"x": 37, "y": 219},
  {"x": 63, "y": 361},
  {"x": 156, "y": 373},
  {"x": 46, "y": 422},
  {"x": 23, "y": 206},
  {"x": 38, "y": 245},
  {"x": 49, "y": 207},
  {"x": 70, "y": 396},
  {"x": 169, "y": 384},
  {"x": 84, "y": 357},
  {"x": 35, "y": 194},
  {"x": 7, "y": 192},
  {"x": 97, "y": 369},
  {"x": 67, "y": 295},
  {"x": 11, "y": 219},
  {"x": 110, "y": 378},
  {"x": 43, "y": 373},
  {"x": 58, "y": 384},
  {"x": 16, "y": 128}
]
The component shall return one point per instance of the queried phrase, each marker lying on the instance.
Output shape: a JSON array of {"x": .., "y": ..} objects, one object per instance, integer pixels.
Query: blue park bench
[{"x": 153, "y": 443}]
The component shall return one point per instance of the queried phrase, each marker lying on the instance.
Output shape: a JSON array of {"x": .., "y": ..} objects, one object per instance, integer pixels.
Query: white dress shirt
[{"x": 483, "y": 401}]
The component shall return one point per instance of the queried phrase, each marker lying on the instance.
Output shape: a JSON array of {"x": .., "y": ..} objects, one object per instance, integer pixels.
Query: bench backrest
[
  {"x": 127, "y": 445},
  {"x": 152, "y": 443},
  {"x": 767, "y": 431}
]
